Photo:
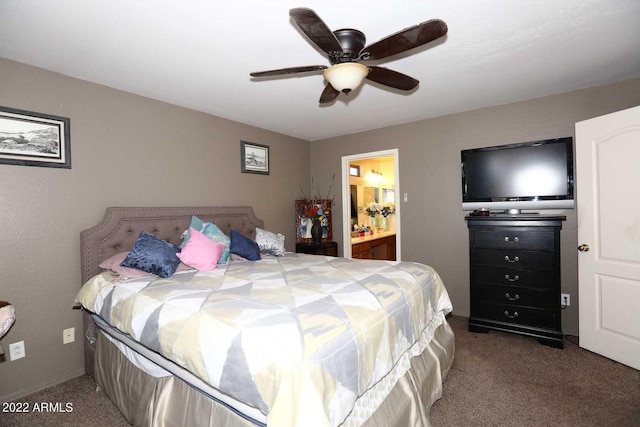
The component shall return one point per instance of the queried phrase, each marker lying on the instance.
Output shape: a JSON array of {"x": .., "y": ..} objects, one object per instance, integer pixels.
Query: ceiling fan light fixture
[{"x": 346, "y": 76}]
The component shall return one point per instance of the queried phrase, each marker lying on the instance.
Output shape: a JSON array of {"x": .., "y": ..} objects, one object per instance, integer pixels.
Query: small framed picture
[
  {"x": 304, "y": 221},
  {"x": 34, "y": 139},
  {"x": 254, "y": 158}
]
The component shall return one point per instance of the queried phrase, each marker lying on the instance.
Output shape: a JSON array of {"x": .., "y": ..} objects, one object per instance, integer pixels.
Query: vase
[
  {"x": 316, "y": 232},
  {"x": 385, "y": 223},
  {"x": 374, "y": 222},
  {"x": 306, "y": 227}
]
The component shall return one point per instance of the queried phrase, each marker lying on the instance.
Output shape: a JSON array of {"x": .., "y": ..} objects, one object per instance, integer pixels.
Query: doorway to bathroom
[{"x": 371, "y": 212}]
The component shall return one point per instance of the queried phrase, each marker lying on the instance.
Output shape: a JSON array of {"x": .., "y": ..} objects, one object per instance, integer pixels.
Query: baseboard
[{"x": 36, "y": 388}]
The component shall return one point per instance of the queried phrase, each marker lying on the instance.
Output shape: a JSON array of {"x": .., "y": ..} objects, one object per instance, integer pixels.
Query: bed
[{"x": 351, "y": 342}]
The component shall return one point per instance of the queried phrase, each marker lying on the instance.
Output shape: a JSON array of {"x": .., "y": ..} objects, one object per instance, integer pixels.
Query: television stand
[{"x": 515, "y": 275}]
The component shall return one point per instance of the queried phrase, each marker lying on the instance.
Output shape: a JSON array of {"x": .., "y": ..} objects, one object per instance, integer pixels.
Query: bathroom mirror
[
  {"x": 388, "y": 195},
  {"x": 371, "y": 195}
]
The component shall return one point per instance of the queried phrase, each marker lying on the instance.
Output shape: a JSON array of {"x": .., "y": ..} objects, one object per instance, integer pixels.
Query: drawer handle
[
  {"x": 510, "y": 298},
  {"x": 507, "y": 239},
  {"x": 515, "y": 259},
  {"x": 515, "y": 278},
  {"x": 515, "y": 314}
]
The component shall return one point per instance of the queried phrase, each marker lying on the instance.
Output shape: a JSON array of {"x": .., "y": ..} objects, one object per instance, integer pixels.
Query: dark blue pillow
[
  {"x": 244, "y": 246},
  {"x": 153, "y": 255}
]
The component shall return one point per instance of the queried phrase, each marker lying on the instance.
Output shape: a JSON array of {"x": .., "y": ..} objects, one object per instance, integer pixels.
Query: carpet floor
[
  {"x": 501, "y": 379},
  {"x": 497, "y": 379}
]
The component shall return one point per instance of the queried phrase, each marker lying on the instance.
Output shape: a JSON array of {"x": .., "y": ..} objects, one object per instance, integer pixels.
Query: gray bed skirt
[{"x": 145, "y": 400}]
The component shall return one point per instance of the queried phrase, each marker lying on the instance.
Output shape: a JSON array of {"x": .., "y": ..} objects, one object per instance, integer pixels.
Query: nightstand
[{"x": 323, "y": 248}]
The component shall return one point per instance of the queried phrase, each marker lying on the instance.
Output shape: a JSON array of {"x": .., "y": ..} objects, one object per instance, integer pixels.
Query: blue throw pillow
[
  {"x": 153, "y": 255},
  {"x": 212, "y": 231},
  {"x": 244, "y": 246}
]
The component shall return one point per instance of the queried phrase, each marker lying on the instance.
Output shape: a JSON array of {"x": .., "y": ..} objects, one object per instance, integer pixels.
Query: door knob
[{"x": 583, "y": 247}]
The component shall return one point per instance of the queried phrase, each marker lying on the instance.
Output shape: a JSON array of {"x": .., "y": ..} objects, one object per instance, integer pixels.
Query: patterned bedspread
[{"x": 300, "y": 337}]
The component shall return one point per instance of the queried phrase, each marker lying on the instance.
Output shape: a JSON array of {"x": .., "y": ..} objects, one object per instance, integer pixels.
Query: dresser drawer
[
  {"x": 514, "y": 258},
  {"x": 513, "y": 238},
  {"x": 536, "y": 317},
  {"x": 544, "y": 279},
  {"x": 513, "y": 296}
]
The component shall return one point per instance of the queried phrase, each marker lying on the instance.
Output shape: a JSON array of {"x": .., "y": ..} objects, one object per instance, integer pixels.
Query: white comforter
[{"x": 300, "y": 337}]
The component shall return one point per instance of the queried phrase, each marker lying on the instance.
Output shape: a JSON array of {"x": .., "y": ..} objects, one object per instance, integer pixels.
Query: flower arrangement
[
  {"x": 387, "y": 209},
  {"x": 313, "y": 208},
  {"x": 314, "y": 212},
  {"x": 373, "y": 209}
]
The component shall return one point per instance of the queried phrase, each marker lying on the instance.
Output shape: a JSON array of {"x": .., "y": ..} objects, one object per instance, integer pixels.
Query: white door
[{"x": 608, "y": 196}]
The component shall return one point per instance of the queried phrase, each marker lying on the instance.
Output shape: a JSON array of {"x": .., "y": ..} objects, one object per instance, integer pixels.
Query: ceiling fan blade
[
  {"x": 391, "y": 78},
  {"x": 314, "y": 28},
  {"x": 328, "y": 94},
  {"x": 291, "y": 70},
  {"x": 406, "y": 39}
]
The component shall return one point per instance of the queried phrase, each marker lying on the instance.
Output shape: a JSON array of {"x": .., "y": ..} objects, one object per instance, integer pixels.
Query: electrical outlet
[
  {"x": 16, "y": 351},
  {"x": 565, "y": 300},
  {"x": 68, "y": 335}
]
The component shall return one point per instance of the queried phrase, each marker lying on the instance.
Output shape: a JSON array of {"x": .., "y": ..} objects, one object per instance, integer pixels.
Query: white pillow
[{"x": 270, "y": 243}]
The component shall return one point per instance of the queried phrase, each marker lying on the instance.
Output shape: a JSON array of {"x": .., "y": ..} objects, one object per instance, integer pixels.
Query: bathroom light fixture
[
  {"x": 346, "y": 76},
  {"x": 374, "y": 176}
]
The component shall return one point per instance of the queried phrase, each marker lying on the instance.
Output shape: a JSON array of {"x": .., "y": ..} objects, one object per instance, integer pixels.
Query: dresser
[{"x": 515, "y": 275}]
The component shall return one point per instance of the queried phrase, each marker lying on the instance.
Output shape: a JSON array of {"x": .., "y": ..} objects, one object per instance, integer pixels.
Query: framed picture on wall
[
  {"x": 254, "y": 158},
  {"x": 304, "y": 222},
  {"x": 34, "y": 139}
]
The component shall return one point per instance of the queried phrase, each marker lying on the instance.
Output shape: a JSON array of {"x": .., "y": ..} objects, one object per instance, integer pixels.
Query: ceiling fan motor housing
[{"x": 352, "y": 42}]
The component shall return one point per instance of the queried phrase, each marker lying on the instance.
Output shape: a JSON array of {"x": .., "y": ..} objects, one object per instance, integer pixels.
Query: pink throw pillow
[{"x": 200, "y": 251}]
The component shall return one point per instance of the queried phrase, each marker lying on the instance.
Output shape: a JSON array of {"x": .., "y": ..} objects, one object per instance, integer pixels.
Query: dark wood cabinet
[
  {"x": 515, "y": 275},
  {"x": 323, "y": 248},
  {"x": 361, "y": 250},
  {"x": 378, "y": 248}
]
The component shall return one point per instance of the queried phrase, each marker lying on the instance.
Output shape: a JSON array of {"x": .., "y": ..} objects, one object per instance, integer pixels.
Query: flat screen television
[{"x": 528, "y": 175}]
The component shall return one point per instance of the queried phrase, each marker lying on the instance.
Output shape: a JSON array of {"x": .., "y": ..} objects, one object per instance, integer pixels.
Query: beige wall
[
  {"x": 433, "y": 226},
  {"x": 125, "y": 150}
]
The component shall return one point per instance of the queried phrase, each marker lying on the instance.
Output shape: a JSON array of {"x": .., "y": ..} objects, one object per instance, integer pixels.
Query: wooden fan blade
[
  {"x": 406, "y": 39},
  {"x": 315, "y": 29},
  {"x": 391, "y": 78},
  {"x": 328, "y": 94},
  {"x": 291, "y": 70}
]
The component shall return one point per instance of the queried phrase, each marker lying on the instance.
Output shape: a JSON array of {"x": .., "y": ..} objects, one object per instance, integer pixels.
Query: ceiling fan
[{"x": 345, "y": 49}]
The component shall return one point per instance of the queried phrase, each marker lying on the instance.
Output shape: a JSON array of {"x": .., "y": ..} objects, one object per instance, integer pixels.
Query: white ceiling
[{"x": 198, "y": 54}]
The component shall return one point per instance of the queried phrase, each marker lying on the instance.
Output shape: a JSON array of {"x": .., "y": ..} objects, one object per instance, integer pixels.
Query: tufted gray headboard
[
  {"x": 120, "y": 227},
  {"x": 118, "y": 230}
]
